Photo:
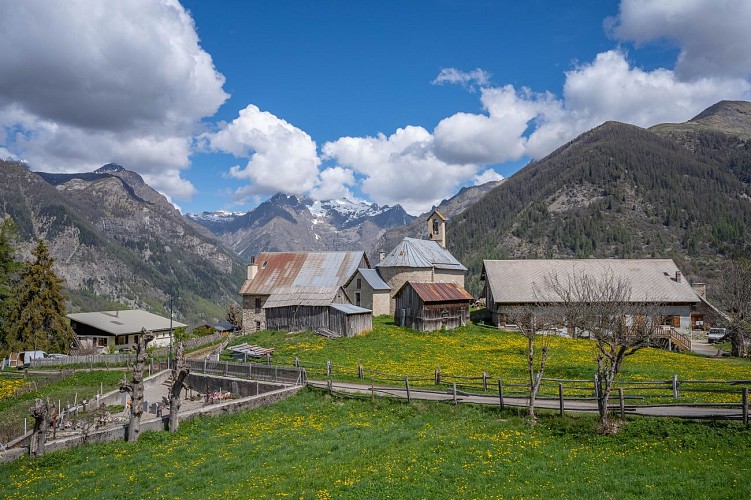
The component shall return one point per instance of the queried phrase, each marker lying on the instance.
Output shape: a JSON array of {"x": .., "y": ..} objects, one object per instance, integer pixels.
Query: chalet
[
  {"x": 510, "y": 283},
  {"x": 432, "y": 306},
  {"x": 120, "y": 329},
  {"x": 292, "y": 291},
  {"x": 421, "y": 261}
]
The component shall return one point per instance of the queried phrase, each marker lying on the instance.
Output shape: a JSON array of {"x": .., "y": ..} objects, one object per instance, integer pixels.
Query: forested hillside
[{"x": 623, "y": 191}]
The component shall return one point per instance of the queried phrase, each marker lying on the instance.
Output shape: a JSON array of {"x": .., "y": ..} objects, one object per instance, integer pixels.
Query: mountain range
[{"x": 681, "y": 191}]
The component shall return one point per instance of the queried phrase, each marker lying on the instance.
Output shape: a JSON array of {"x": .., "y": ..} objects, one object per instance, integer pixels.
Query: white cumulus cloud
[
  {"x": 89, "y": 82},
  {"x": 334, "y": 183},
  {"x": 401, "y": 168},
  {"x": 281, "y": 157},
  {"x": 467, "y": 79},
  {"x": 713, "y": 35}
]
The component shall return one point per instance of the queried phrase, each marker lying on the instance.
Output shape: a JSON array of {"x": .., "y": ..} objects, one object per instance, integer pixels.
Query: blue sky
[{"x": 221, "y": 104}]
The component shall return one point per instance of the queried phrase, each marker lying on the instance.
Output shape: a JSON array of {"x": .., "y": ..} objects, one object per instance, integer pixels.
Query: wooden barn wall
[
  {"x": 428, "y": 317},
  {"x": 349, "y": 325},
  {"x": 297, "y": 318}
]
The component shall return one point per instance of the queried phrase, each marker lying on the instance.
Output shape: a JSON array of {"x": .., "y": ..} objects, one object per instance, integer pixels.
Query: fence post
[
  {"x": 297, "y": 362},
  {"x": 359, "y": 370},
  {"x": 249, "y": 365},
  {"x": 226, "y": 367},
  {"x": 622, "y": 402},
  {"x": 745, "y": 406},
  {"x": 204, "y": 365},
  {"x": 406, "y": 382},
  {"x": 560, "y": 397},
  {"x": 328, "y": 368},
  {"x": 330, "y": 385},
  {"x": 484, "y": 381},
  {"x": 675, "y": 386},
  {"x": 372, "y": 389},
  {"x": 438, "y": 375},
  {"x": 454, "y": 385},
  {"x": 500, "y": 393},
  {"x": 268, "y": 359}
]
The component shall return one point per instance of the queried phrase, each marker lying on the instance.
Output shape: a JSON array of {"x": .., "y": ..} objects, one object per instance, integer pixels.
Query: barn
[
  {"x": 432, "y": 306},
  {"x": 294, "y": 291}
]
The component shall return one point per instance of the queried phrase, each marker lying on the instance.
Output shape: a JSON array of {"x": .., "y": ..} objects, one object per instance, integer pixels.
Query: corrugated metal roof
[
  {"x": 411, "y": 252},
  {"x": 439, "y": 292},
  {"x": 282, "y": 270},
  {"x": 524, "y": 281},
  {"x": 124, "y": 322},
  {"x": 374, "y": 279},
  {"x": 350, "y": 309}
]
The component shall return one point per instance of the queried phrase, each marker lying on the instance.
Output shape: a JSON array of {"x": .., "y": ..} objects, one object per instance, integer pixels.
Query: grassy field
[
  {"x": 312, "y": 446},
  {"x": 472, "y": 350},
  {"x": 14, "y": 409}
]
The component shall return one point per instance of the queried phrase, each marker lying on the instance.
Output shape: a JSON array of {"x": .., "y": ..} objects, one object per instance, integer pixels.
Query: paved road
[
  {"x": 681, "y": 411},
  {"x": 703, "y": 347}
]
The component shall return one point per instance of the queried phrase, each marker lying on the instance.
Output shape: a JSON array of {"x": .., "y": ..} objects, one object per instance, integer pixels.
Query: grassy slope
[
  {"x": 312, "y": 446},
  {"x": 471, "y": 350}
]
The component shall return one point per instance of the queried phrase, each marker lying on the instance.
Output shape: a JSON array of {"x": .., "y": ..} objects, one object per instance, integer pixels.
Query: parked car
[
  {"x": 56, "y": 355},
  {"x": 717, "y": 335}
]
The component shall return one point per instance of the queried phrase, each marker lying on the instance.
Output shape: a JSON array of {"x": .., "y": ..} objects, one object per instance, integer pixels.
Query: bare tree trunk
[
  {"x": 43, "y": 415},
  {"x": 135, "y": 386},
  {"x": 535, "y": 377},
  {"x": 179, "y": 374}
]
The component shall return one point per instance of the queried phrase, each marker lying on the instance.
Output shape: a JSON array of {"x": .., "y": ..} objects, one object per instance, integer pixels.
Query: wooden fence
[{"x": 256, "y": 371}]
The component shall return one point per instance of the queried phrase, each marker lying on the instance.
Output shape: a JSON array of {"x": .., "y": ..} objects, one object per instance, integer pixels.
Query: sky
[{"x": 219, "y": 105}]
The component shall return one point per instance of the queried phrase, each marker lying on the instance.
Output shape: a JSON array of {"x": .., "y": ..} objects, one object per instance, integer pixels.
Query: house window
[
  {"x": 436, "y": 226},
  {"x": 258, "y": 304},
  {"x": 357, "y": 299},
  {"x": 358, "y": 283},
  {"x": 258, "y": 326},
  {"x": 101, "y": 341},
  {"x": 676, "y": 321},
  {"x": 121, "y": 340}
]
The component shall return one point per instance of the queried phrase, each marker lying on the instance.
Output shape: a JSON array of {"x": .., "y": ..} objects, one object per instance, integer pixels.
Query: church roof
[{"x": 411, "y": 252}]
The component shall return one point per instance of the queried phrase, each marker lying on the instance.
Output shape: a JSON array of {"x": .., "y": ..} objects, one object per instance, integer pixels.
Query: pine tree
[
  {"x": 9, "y": 269},
  {"x": 37, "y": 320}
]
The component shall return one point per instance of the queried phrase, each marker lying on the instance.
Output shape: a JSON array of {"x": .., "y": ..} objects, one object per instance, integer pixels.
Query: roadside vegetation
[
  {"x": 81, "y": 384},
  {"x": 313, "y": 446}
]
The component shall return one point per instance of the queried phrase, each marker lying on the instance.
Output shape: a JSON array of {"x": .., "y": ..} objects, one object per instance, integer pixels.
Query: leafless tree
[
  {"x": 531, "y": 320},
  {"x": 180, "y": 372},
  {"x": 619, "y": 324},
  {"x": 44, "y": 414},
  {"x": 734, "y": 294},
  {"x": 135, "y": 386}
]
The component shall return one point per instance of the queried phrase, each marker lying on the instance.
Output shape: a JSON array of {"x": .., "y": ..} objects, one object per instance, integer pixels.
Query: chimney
[
  {"x": 381, "y": 255},
  {"x": 677, "y": 276},
  {"x": 700, "y": 289},
  {"x": 252, "y": 269}
]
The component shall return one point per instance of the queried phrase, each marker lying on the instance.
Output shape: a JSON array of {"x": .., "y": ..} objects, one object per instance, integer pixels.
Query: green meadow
[{"x": 313, "y": 446}]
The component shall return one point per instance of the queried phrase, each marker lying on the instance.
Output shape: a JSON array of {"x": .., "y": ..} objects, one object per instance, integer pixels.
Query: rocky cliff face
[{"x": 117, "y": 241}]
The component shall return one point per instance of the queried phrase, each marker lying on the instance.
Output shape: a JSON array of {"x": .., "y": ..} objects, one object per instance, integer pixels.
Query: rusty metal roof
[
  {"x": 439, "y": 292},
  {"x": 302, "y": 278}
]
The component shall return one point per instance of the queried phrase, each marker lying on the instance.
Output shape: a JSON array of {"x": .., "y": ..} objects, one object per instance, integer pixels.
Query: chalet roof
[
  {"x": 373, "y": 279},
  {"x": 524, "y": 281},
  {"x": 438, "y": 292},
  {"x": 411, "y": 252},
  {"x": 126, "y": 322}
]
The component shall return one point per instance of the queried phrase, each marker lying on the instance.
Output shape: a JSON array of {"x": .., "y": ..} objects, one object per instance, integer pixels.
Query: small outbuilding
[
  {"x": 432, "y": 306},
  {"x": 349, "y": 320},
  {"x": 120, "y": 329}
]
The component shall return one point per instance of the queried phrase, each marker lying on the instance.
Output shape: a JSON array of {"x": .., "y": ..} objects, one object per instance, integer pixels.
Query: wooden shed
[
  {"x": 348, "y": 320},
  {"x": 432, "y": 306}
]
